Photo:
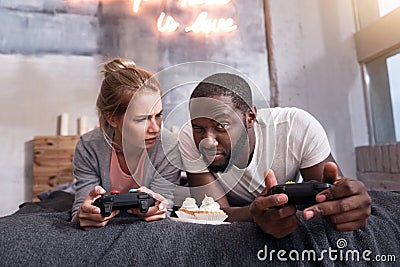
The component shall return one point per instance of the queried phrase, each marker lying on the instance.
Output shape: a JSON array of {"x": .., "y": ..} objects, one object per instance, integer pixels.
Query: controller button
[
  {"x": 114, "y": 192},
  {"x": 107, "y": 209},
  {"x": 143, "y": 206},
  {"x": 142, "y": 196},
  {"x": 132, "y": 190}
]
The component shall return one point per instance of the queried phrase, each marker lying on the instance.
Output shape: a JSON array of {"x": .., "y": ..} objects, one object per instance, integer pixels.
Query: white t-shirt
[{"x": 287, "y": 139}]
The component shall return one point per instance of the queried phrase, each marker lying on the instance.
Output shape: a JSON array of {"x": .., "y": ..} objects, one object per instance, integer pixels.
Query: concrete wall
[
  {"x": 48, "y": 65},
  {"x": 51, "y": 50},
  {"x": 48, "y": 26},
  {"x": 34, "y": 90},
  {"x": 244, "y": 50},
  {"x": 318, "y": 70}
]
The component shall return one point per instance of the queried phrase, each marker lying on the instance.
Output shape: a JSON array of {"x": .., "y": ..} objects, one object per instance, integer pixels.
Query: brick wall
[
  {"x": 43, "y": 26},
  {"x": 378, "y": 166}
]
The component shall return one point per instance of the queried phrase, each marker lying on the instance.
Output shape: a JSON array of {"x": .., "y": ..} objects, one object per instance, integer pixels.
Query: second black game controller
[
  {"x": 300, "y": 194},
  {"x": 116, "y": 201}
]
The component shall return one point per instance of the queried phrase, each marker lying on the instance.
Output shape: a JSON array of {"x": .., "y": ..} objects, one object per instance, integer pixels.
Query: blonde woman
[{"x": 130, "y": 149}]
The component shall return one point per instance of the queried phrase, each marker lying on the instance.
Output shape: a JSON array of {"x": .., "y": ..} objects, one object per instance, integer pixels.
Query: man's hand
[
  {"x": 89, "y": 215},
  {"x": 278, "y": 222},
  {"x": 157, "y": 212},
  {"x": 346, "y": 206}
]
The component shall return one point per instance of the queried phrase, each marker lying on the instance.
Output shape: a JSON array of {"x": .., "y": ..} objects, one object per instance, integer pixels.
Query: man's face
[{"x": 219, "y": 131}]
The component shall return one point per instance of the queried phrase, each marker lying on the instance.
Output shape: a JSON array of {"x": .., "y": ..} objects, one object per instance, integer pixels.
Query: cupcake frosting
[
  {"x": 209, "y": 204},
  {"x": 190, "y": 204}
]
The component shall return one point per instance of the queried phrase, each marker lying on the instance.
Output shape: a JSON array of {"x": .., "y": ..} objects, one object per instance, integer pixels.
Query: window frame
[{"x": 377, "y": 39}]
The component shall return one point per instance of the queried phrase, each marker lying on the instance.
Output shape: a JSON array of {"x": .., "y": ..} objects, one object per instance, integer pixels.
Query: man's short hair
[{"x": 226, "y": 84}]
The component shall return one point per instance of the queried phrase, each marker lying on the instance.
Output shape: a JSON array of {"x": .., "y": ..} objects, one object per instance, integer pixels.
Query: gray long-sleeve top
[{"x": 92, "y": 166}]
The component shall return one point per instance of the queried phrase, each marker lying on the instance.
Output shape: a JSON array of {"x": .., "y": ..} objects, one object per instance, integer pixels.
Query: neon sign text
[
  {"x": 202, "y": 23},
  {"x": 166, "y": 24},
  {"x": 205, "y": 25}
]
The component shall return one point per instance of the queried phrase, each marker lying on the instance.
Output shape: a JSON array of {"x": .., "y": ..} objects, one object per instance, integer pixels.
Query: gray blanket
[{"x": 40, "y": 234}]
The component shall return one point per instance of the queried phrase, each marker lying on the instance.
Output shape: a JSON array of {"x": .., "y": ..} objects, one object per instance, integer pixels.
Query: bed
[{"x": 41, "y": 234}]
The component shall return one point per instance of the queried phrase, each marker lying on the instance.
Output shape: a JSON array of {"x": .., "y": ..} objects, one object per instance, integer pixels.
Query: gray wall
[
  {"x": 244, "y": 50},
  {"x": 34, "y": 90},
  {"x": 51, "y": 53},
  {"x": 49, "y": 65},
  {"x": 318, "y": 70},
  {"x": 48, "y": 26}
]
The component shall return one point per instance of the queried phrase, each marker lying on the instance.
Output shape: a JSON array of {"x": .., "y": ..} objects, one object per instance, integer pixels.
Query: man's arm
[
  {"x": 316, "y": 172},
  {"x": 206, "y": 184}
]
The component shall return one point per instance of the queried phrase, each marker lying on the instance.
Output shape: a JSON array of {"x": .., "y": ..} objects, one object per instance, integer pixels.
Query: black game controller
[
  {"x": 300, "y": 194},
  {"x": 116, "y": 201}
]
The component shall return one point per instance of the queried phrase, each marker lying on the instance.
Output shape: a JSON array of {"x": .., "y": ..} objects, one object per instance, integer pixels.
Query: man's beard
[
  {"x": 241, "y": 146},
  {"x": 216, "y": 168}
]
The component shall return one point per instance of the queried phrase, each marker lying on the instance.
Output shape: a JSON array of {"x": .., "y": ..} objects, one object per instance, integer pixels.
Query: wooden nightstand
[{"x": 52, "y": 162}]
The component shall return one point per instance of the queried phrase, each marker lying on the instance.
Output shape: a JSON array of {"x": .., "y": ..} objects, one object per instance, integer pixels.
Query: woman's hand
[
  {"x": 89, "y": 215},
  {"x": 156, "y": 212}
]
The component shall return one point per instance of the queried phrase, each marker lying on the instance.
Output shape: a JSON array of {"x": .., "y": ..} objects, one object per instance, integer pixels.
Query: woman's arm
[
  {"x": 164, "y": 169},
  {"x": 85, "y": 176}
]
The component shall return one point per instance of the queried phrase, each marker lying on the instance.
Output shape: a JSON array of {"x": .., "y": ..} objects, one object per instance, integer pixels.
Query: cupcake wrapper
[
  {"x": 211, "y": 217},
  {"x": 184, "y": 215}
]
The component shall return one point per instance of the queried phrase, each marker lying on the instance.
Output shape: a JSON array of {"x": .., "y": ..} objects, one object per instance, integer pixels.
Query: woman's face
[{"x": 141, "y": 123}]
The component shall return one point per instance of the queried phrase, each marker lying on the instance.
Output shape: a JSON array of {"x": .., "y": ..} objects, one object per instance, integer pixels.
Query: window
[
  {"x": 378, "y": 50},
  {"x": 368, "y": 11},
  {"x": 393, "y": 64},
  {"x": 387, "y": 6}
]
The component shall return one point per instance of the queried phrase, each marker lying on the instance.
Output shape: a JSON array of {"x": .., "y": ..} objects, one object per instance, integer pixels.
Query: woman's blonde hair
[{"x": 122, "y": 79}]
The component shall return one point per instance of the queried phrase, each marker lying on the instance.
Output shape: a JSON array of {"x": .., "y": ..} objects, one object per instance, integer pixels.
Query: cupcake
[
  {"x": 188, "y": 208},
  {"x": 210, "y": 206},
  {"x": 210, "y": 210}
]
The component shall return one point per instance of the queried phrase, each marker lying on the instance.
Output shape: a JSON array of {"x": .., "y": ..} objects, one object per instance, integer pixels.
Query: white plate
[{"x": 198, "y": 221}]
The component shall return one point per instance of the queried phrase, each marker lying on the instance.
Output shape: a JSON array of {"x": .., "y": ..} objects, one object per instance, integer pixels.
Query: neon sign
[
  {"x": 203, "y": 22},
  {"x": 206, "y": 25},
  {"x": 166, "y": 24}
]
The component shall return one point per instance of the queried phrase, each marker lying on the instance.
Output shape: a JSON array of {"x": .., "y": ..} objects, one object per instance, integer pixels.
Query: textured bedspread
[{"x": 41, "y": 235}]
